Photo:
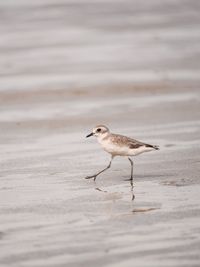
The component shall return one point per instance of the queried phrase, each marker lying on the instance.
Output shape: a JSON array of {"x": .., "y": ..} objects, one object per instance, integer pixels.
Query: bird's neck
[{"x": 102, "y": 137}]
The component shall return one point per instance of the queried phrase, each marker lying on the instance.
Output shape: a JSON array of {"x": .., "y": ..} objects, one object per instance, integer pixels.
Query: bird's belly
[
  {"x": 139, "y": 150},
  {"x": 115, "y": 150}
]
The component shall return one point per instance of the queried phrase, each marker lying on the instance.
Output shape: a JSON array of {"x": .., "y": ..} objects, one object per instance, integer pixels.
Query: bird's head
[{"x": 99, "y": 131}]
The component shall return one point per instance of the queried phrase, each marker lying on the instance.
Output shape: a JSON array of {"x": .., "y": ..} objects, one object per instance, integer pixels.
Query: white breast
[{"x": 114, "y": 149}]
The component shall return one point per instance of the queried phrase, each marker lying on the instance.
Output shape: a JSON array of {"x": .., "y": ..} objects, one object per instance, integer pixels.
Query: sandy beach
[{"x": 65, "y": 67}]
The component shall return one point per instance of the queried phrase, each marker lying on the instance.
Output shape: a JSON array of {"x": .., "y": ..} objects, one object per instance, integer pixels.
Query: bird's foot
[
  {"x": 91, "y": 176},
  {"x": 129, "y": 179}
]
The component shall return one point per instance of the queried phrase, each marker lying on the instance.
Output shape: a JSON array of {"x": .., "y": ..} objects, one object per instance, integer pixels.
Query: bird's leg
[
  {"x": 95, "y": 175},
  {"x": 131, "y": 169},
  {"x": 132, "y": 194}
]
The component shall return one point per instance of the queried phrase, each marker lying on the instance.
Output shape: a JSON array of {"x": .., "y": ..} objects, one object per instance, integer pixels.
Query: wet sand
[{"x": 50, "y": 215}]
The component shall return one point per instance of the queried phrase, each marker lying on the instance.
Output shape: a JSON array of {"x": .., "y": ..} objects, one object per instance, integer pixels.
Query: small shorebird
[{"x": 118, "y": 145}]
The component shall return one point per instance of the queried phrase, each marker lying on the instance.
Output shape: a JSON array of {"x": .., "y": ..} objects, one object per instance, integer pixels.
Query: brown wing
[
  {"x": 132, "y": 143},
  {"x": 124, "y": 141},
  {"x": 137, "y": 145}
]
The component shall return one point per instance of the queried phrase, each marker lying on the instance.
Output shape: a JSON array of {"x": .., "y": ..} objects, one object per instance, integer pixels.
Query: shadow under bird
[{"x": 118, "y": 145}]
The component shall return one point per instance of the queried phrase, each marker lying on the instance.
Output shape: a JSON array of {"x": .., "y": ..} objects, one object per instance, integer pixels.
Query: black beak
[{"x": 91, "y": 134}]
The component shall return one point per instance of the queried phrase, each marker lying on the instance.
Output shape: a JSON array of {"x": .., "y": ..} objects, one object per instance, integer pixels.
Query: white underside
[{"x": 116, "y": 150}]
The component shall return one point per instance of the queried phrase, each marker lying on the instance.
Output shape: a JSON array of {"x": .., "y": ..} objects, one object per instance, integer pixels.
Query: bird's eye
[{"x": 99, "y": 130}]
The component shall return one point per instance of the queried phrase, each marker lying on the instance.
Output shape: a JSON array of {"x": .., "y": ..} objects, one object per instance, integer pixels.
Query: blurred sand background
[{"x": 69, "y": 65}]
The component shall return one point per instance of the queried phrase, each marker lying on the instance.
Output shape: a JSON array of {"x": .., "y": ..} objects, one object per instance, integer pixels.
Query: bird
[{"x": 118, "y": 145}]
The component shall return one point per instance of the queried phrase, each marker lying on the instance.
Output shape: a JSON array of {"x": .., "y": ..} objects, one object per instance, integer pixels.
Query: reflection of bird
[{"x": 118, "y": 145}]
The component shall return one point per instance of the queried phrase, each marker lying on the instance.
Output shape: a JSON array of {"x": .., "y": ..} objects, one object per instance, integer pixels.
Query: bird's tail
[{"x": 152, "y": 146}]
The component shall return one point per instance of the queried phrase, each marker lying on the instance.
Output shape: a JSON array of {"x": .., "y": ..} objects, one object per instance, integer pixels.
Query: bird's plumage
[{"x": 119, "y": 145}]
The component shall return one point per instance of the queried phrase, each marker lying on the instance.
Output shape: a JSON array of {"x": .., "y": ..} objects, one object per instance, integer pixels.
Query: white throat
[{"x": 102, "y": 136}]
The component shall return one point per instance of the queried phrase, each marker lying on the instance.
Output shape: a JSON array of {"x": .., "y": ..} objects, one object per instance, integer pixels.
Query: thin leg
[
  {"x": 95, "y": 175},
  {"x": 131, "y": 169},
  {"x": 132, "y": 194}
]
